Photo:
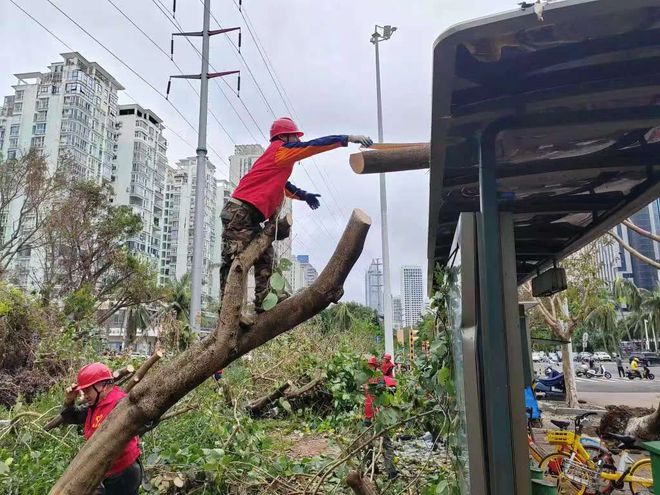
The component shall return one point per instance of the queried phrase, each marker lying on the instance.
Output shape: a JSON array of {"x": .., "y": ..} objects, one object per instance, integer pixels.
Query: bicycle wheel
[
  {"x": 642, "y": 470},
  {"x": 551, "y": 463}
]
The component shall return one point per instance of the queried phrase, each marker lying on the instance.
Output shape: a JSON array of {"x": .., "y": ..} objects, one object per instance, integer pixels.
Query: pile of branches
[{"x": 312, "y": 395}]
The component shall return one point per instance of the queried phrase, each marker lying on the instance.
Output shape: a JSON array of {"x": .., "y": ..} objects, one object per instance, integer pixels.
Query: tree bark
[
  {"x": 569, "y": 376},
  {"x": 646, "y": 428},
  {"x": 406, "y": 156},
  {"x": 360, "y": 485},
  {"x": 160, "y": 390}
]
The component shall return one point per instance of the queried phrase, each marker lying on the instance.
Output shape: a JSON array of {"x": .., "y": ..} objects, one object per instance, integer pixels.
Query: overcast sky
[{"x": 321, "y": 53}]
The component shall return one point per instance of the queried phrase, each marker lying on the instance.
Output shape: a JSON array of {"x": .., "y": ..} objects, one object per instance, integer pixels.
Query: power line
[
  {"x": 175, "y": 64},
  {"x": 122, "y": 62},
  {"x": 179, "y": 28}
]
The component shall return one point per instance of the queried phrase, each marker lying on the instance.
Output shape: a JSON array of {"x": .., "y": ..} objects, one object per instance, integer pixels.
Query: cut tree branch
[
  {"x": 160, "y": 390},
  {"x": 395, "y": 158}
]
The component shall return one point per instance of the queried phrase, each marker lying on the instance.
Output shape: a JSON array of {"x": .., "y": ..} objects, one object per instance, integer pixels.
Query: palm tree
[
  {"x": 178, "y": 299},
  {"x": 343, "y": 318},
  {"x": 604, "y": 319}
]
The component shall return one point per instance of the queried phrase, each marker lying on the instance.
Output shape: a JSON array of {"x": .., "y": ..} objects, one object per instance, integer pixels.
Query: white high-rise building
[
  {"x": 301, "y": 274},
  {"x": 139, "y": 175},
  {"x": 69, "y": 113},
  {"x": 412, "y": 295},
  {"x": 373, "y": 286},
  {"x": 242, "y": 160},
  {"x": 397, "y": 313},
  {"x": 179, "y": 225}
]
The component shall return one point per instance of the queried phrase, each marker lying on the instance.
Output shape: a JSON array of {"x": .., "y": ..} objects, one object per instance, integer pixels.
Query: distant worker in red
[
  {"x": 379, "y": 383},
  {"x": 387, "y": 366},
  {"x": 95, "y": 381},
  {"x": 260, "y": 194}
]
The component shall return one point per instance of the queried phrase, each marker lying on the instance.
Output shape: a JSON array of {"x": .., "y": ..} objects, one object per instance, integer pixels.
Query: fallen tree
[
  {"x": 641, "y": 423},
  {"x": 162, "y": 388}
]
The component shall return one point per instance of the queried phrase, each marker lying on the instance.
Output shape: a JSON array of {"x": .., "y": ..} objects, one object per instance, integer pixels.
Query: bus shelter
[{"x": 545, "y": 134}]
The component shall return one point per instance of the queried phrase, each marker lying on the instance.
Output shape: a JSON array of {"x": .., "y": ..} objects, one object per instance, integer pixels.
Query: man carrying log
[
  {"x": 260, "y": 194},
  {"x": 379, "y": 384},
  {"x": 95, "y": 381}
]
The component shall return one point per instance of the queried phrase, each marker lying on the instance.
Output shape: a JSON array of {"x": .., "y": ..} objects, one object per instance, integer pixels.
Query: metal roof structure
[{"x": 574, "y": 104}]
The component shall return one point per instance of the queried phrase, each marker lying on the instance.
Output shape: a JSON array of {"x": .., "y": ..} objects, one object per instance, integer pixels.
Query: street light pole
[{"x": 383, "y": 33}]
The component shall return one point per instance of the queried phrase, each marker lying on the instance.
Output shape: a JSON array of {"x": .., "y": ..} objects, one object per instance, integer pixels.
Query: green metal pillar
[
  {"x": 492, "y": 341},
  {"x": 654, "y": 449}
]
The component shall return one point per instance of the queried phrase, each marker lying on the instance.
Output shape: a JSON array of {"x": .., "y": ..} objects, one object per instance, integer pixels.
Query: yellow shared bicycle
[{"x": 603, "y": 477}]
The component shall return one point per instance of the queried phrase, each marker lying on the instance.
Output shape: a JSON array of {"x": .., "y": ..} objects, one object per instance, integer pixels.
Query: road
[{"x": 616, "y": 391}]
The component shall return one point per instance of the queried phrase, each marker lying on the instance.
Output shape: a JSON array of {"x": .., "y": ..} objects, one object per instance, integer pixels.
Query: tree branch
[
  {"x": 634, "y": 252},
  {"x": 160, "y": 390},
  {"x": 641, "y": 231}
]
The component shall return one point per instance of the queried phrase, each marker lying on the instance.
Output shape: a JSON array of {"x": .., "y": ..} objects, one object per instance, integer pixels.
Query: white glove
[{"x": 365, "y": 141}]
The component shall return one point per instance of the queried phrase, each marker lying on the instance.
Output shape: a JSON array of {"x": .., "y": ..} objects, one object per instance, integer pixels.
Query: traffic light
[
  {"x": 425, "y": 346},
  {"x": 412, "y": 338}
]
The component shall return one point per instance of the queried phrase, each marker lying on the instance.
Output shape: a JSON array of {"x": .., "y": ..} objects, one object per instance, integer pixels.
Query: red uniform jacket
[
  {"x": 94, "y": 419},
  {"x": 263, "y": 185},
  {"x": 369, "y": 410}
]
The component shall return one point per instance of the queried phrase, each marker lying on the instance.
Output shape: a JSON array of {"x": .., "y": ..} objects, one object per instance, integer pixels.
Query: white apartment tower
[
  {"x": 397, "y": 313},
  {"x": 69, "y": 113},
  {"x": 412, "y": 295},
  {"x": 373, "y": 286},
  {"x": 178, "y": 224},
  {"x": 139, "y": 175},
  {"x": 301, "y": 274}
]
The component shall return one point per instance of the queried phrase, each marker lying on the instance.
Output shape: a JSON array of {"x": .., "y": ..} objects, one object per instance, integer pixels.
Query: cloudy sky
[{"x": 322, "y": 57}]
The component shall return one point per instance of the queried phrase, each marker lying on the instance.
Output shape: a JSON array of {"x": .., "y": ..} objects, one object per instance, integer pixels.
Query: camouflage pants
[
  {"x": 388, "y": 452},
  {"x": 241, "y": 224}
]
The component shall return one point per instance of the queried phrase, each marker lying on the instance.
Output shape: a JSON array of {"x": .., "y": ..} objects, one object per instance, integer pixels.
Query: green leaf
[
  {"x": 270, "y": 301},
  {"x": 284, "y": 264},
  {"x": 277, "y": 282},
  {"x": 285, "y": 404}
]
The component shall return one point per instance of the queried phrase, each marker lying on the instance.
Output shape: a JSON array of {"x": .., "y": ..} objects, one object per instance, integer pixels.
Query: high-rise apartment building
[
  {"x": 139, "y": 175},
  {"x": 301, "y": 274},
  {"x": 373, "y": 286},
  {"x": 616, "y": 262},
  {"x": 69, "y": 113},
  {"x": 179, "y": 224},
  {"x": 397, "y": 313},
  {"x": 412, "y": 295}
]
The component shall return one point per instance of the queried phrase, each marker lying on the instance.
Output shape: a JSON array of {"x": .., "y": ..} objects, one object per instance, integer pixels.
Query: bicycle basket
[
  {"x": 580, "y": 474},
  {"x": 560, "y": 437}
]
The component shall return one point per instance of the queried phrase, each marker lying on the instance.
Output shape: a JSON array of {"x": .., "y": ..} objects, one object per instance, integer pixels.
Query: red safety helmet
[
  {"x": 284, "y": 125},
  {"x": 92, "y": 374},
  {"x": 387, "y": 357},
  {"x": 372, "y": 361}
]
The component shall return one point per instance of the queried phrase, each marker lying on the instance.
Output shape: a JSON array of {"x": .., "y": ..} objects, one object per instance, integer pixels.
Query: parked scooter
[
  {"x": 645, "y": 374},
  {"x": 583, "y": 370},
  {"x": 598, "y": 372}
]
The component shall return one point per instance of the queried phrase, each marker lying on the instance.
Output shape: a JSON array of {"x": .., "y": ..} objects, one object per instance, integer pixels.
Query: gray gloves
[{"x": 365, "y": 141}]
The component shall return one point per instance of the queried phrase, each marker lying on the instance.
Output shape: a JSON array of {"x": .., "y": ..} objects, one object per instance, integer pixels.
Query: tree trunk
[
  {"x": 646, "y": 428},
  {"x": 569, "y": 376},
  {"x": 256, "y": 407},
  {"x": 395, "y": 158},
  {"x": 360, "y": 485},
  {"x": 641, "y": 231},
  {"x": 161, "y": 389}
]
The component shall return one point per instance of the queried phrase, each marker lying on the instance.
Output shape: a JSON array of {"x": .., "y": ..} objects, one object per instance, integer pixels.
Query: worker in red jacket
[
  {"x": 379, "y": 382},
  {"x": 260, "y": 195},
  {"x": 386, "y": 365},
  {"x": 95, "y": 381}
]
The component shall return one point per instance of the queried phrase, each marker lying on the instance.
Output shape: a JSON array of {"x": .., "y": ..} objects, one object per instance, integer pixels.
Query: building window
[
  {"x": 19, "y": 95},
  {"x": 37, "y": 142},
  {"x": 44, "y": 89},
  {"x": 39, "y": 129},
  {"x": 13, "y": 142},
  {"x": 40, "y": 116},
  {"x": 42, "y": 104},
  {"x": 13, "y": 130},
  {"x": 18, "y": 108},
  {"x": 11, "y": 154}
]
